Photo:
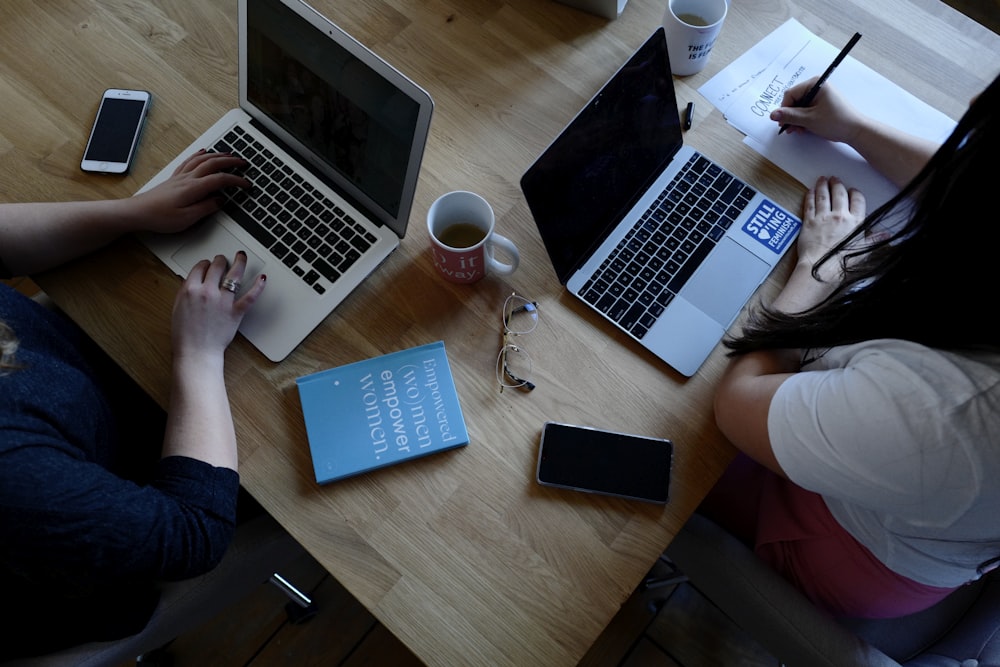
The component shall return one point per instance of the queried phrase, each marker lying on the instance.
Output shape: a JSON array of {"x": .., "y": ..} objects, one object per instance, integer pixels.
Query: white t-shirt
[{"x": 903, "y": 443}]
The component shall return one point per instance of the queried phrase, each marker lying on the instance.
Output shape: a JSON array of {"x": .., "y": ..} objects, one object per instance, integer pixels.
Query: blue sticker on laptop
[{"x": 772, "y": 227}]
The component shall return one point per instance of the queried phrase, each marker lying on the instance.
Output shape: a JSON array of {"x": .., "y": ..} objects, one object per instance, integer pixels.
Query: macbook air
[{"x": 334, "y": 137}]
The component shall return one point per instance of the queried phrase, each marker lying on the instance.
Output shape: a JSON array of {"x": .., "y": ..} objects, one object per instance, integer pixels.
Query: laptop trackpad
[
  {"x": 209, "y": 239},
  {"x": 724, "y": 282}
]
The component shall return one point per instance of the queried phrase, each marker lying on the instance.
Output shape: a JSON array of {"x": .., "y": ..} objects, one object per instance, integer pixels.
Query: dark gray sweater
[{"x": 90, "y": 516}]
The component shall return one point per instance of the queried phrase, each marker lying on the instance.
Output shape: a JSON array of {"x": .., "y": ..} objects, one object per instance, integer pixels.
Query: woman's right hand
[{"x": 829, "y": 115}]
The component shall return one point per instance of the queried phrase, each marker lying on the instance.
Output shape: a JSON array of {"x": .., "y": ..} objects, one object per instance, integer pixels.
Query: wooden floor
[{"x": 670, "y": 626}]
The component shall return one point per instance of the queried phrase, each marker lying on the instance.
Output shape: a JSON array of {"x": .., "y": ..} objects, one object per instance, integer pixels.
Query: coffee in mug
[
  {"x": 461, "y": 235},
  {"x": 692, "y": 19}
]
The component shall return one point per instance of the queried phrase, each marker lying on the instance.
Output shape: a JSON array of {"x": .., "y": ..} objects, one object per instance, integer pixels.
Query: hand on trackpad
[{"x": 211, "y": 240}]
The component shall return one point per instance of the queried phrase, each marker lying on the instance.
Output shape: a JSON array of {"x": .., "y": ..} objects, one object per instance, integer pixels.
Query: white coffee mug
[
  {"x": 691, "y": 28},
  {"x": 462, "y": 238}
]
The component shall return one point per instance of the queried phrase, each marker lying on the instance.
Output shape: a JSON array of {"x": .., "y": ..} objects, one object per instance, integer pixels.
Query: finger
[
  {"x": 838, "y": 195},
  {"x": 809, "y": 204},
  {"x": 250, "y": 295},
  {"x": 202, "y": 193},
  {"x": 791, "y": 116},
  {"x": 822, "y": 194},
  {"x": 206, "y": 162},
  {"x": 797, "y": 92},
  {"x": 232, "y": 281},
  {"x": 216, "y": 162},
  {"x": 197, "y": 272},
  {"x": 188, "y": 160},
  {"x": 216, "y": 269},
  {"x": 858, "y": 205},
  {"x": 199, "y": 158},
  {"x": 220, "y": 180},
  {"x": 238, "y": 266}
]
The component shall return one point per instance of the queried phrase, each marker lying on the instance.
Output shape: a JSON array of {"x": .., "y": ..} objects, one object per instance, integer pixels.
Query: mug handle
[{"x": 507, "y": 246}]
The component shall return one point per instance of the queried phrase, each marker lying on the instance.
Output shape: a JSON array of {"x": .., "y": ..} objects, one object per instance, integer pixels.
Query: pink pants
[{"x": 792, "y": 530}]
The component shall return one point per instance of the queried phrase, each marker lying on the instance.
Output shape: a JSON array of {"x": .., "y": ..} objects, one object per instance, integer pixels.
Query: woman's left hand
[
  {"x": 829, "y": 213},
  {"x": 190, "y": 194}
]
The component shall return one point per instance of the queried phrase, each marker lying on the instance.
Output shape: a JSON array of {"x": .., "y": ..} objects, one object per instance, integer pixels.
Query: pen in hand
[{"x": 811, "y": 95}]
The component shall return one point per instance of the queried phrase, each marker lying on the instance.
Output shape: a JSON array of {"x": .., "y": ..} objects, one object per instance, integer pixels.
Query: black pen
[
  {"x": 811, "y": 95},
  {"x": 688, "y": 115}
]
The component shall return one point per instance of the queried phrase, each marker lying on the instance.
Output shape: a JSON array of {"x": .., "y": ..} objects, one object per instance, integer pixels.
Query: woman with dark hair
[
  {"x": 866, "y": 397},
  {"x": 100, "y": 494}
]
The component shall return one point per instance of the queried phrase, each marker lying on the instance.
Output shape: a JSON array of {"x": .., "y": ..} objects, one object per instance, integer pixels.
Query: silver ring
[{"x": 230, "y": 285}]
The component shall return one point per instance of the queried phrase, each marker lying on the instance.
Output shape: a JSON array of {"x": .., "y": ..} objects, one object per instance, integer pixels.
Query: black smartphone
[
  {"x": 598, "y": 461},
  {"x": 115, "y": 134}
]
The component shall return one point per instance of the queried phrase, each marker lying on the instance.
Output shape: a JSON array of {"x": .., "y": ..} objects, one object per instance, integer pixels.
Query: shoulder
[
  {"x": 894, "y": 350},
  {"x": 866, "y": 420},
  {"x": 903, "y": 368}
]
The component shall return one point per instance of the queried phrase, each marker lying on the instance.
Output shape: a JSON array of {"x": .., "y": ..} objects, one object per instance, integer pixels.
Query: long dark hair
[
  {"x": 8, "y": 346},
  {"x": 933, "y": 280}
]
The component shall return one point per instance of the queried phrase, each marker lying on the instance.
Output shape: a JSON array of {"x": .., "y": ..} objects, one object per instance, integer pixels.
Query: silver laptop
[
  {"x": 656, "y": 237},
  {"x": 609, "y": 9},
  {"x": 334, "y": 136}
]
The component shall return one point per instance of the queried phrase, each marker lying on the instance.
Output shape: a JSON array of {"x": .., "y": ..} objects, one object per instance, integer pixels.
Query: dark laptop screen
[
  {"x": 606, "y": 158},
  {"x": 334, "y": 104}
]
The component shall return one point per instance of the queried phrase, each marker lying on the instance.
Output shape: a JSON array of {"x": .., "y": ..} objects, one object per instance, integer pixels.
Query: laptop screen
[
  {"x": 357, "y": 122},
  {"x": 606, "y": 158}
]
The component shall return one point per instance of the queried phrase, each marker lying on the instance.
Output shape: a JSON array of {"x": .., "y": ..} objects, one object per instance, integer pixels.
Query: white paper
[
  {"x": 752, "y": 86},
  {"x": 726, "y": 86}
]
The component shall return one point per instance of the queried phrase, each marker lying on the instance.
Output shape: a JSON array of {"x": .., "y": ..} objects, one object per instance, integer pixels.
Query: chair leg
[
  {"x": 158, "y": 657},
  {"x": 300, "y": 608},
  {"x": 656, "y": 580},
  {"x": 675, "y": 576}
]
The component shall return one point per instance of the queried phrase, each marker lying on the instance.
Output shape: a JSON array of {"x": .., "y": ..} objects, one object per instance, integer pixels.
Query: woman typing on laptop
[
  {"x": 866, "y": 397},
  {"x": 90, "y": 513}
]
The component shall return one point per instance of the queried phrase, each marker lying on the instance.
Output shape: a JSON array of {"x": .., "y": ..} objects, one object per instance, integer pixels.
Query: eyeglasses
[{"x": 520, "y": 317}]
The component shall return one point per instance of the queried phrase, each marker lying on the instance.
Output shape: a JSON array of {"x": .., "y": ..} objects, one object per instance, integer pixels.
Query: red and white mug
[{"x": 461, "y": 226}]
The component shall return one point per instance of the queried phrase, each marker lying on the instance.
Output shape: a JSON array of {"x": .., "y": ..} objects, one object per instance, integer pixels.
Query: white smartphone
[
  {"x": 597, "y": 461},
  {"x": 115, "y": 134}
]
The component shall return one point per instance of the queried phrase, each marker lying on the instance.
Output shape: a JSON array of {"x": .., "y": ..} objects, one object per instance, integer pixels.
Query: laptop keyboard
[
  {"x": 297, "y": 223},
  {"x": 669, "y": 241}
]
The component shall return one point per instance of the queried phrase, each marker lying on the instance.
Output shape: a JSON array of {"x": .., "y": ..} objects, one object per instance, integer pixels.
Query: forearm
[
  {"x": 896, "y": 154},
  {"x": 199, "y": 421},
  {"x": 38, "y": 236},
  {"x": 803, "y": 290}
]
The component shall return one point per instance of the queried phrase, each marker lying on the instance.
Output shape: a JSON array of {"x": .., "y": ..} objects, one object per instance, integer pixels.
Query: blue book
[{"x": 381, "y": 411}]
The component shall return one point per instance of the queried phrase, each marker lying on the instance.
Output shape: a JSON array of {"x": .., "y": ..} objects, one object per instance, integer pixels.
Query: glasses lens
[
  {"x": 520, "y": 316},
  {"x": 513, "y": 366}
]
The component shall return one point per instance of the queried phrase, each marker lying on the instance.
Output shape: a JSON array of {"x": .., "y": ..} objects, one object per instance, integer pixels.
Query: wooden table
[{"x": 461, "y": 555}]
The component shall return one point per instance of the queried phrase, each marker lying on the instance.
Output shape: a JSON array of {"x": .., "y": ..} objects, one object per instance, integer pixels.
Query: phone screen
[
  {"x": 114, "y": 134},
  {"x": 617, "y": 464}
]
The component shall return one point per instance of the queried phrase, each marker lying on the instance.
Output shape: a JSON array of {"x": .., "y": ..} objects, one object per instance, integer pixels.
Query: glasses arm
[{"x": 522, "y": 384}]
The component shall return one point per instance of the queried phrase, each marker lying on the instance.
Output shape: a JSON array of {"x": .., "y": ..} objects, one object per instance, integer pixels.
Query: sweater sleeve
[{"x": 67, "y": 519}]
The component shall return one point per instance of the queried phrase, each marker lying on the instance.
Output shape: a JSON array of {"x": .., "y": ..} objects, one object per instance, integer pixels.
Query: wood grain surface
[{"x": 461, "y": 555}]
